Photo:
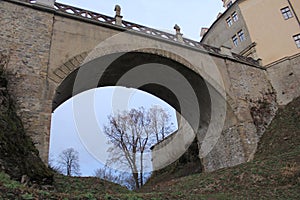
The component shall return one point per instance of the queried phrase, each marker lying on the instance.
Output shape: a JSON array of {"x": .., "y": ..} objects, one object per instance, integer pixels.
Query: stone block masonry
[{"x": 26, "y": 37}]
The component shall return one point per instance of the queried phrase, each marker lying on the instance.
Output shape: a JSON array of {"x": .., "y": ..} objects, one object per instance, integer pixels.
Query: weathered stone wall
[
  {"x": 26, "y": 37},
  {"x": 285, "y": 78},
  {"x": 251, "y": 105},
  {"x": 246, "y": 87},
  {"x": 18, "y": 156}
]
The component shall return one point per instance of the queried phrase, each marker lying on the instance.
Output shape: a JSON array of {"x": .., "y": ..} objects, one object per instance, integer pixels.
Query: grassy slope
[
  {"x": 63, "y": 188},
  {"x": 273, "y": 174}
]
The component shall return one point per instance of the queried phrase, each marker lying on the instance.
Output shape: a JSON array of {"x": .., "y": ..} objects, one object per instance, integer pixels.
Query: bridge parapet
[
  {"x": 130, "y": 26},
  {"x": 125, "y": 24}
]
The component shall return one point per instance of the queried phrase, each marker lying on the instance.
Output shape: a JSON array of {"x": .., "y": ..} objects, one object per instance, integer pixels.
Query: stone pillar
[
  {"x": 48, "y": 3},
  {"x": 118, "y": 16},
  {"x": 178, "y": 34}
]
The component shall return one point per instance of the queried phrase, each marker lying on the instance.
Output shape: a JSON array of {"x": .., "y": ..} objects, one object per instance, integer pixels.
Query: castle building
[{"x": 268, "y": 30}]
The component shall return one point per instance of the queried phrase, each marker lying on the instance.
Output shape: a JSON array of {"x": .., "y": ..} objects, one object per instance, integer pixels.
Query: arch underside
[{"x": 108, "y": 71}]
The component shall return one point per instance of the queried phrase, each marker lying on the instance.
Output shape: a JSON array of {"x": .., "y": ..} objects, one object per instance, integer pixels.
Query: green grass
[
  {"x": 7, "y": 182},
  {"x": 88, "y": 186}
]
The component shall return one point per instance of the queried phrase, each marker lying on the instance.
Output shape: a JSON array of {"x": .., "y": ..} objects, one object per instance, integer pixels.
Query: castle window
[
  {"x": 286, "y": 13},
  {"x": 297, "y": 40},
  {"x": 229, "y": 21},
  {"x": 235, "y": 40},
  {"x": 235, "y": 16},
  {"x": 241, "y": 35}
]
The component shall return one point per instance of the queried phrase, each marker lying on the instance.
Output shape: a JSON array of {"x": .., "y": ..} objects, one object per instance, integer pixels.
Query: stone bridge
[{"x": 57, "y": 51}]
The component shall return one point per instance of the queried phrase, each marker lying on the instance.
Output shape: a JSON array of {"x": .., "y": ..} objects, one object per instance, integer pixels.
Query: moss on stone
[{"x": 18, "y": 155}]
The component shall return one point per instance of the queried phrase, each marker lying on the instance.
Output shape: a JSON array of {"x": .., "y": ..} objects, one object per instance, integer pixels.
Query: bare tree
[
  {"x": 131, "y": 134},
  {"x": 159, "y": 122},
  {"x": 68, "y": 162}
]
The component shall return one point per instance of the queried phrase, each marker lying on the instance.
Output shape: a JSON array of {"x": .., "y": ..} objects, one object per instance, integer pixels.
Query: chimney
[{"x": 203, "y": 31}]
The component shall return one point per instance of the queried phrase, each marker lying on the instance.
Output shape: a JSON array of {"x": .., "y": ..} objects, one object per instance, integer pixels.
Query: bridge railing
[
  {"x": 83, "y": 13},
  {"x": 59, "y": 7},
  {"x": 112, "y": 20}
]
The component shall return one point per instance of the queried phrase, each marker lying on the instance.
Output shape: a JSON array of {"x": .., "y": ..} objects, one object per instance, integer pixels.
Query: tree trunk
[
  {"x": 135, "y": 170},
  {"x": 142, "y": 166},
  {"x": 69, "y": 170},
  {"x": 136, "y": 180}
]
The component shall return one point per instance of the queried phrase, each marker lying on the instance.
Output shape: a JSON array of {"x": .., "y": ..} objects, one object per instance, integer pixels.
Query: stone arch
[
  {"x": 170, "y": 55},
  {"x": 117, "y": 68},
  {"x": 61, "y": 96},
  {"x": 61, "y": 72},
  {"x": 151, "y": 52}
]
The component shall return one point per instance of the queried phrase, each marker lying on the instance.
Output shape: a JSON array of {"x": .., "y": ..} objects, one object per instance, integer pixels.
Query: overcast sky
[
  {"x": 190, "y": 15},
  {"x": 86, "y": 136},
  {"x": 160, "y": 14}
]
